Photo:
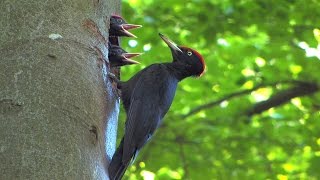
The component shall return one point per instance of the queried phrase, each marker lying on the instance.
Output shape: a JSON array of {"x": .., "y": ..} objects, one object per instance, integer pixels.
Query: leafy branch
[
  {"x": 282, "y": 97},
  {"x": 301, "y": 88}
]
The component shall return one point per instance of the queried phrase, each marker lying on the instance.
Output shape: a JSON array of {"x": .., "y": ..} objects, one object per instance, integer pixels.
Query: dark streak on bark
[
  {"x": 93, "y": 130},
  {"x": 9, "y": 106}
]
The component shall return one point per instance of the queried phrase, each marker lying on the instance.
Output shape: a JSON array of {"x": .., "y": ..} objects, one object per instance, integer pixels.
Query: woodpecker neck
[{"x": 179, "y": 70}]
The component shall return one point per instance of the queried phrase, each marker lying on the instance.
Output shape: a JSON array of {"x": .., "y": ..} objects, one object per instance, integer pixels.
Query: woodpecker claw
[
  {"x": 113, "y": 77},
  {"x": 117, "y": 89}
]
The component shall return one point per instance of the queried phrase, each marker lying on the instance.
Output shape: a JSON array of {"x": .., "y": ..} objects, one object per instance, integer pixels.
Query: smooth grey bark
[{"x": 58, "y": 112}]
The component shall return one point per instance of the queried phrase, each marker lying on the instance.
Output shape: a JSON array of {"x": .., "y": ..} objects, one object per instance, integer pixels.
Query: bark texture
[{"x": 58, "y": 112}]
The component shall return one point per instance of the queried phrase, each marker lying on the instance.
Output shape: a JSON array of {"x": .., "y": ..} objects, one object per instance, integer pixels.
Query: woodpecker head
[
  {"x": 119, "y": 27},
  {"x": 186, "y": 56},
  {"x": 119, "y": 57}
]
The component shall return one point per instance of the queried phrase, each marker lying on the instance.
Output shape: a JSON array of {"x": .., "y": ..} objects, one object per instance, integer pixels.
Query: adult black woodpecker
[
  {"x": 119, "y": 27},
  {"x": 119, "y": 57},
  {"x": 147, "y": 97}
]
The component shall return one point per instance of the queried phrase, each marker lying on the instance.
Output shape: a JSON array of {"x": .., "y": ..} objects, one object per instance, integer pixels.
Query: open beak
[
  {"x": 127, "y": 58},
  {"x": 126, "y": 27},
  {"x": 130, "y": 55},
  {"x": 170, "y": 43},
  {"x": 131, "y": 26}
]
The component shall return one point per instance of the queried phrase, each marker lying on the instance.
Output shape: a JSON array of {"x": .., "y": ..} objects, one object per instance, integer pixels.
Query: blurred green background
[{"x": 255, "y": 51}]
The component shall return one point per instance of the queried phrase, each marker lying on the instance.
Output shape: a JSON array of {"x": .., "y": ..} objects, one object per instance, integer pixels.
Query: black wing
[{"x": 144, "y": 112}]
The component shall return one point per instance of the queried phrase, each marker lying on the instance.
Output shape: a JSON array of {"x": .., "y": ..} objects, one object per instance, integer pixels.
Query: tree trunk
[{"x": 58, "y": 112}]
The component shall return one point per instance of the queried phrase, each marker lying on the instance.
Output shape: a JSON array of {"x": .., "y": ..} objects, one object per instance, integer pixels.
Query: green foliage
[{"x": 245, "y": 44}]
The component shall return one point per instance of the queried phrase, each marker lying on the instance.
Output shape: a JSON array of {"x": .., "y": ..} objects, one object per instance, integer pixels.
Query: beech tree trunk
[{"x": 58, "y": 111}]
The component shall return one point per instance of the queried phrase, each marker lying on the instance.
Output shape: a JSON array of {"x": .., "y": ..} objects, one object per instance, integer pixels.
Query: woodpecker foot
[
  {"x": 113, "y": 77},
  {"x": 115, "y": 89}
]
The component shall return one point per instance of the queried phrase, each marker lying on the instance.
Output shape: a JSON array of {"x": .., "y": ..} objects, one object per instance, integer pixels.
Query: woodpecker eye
[
  {"x": 189, "y": 53},
  {"x": 119, "y": 20}
]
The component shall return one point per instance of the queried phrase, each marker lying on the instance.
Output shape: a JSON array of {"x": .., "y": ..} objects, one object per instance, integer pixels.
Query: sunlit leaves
[{"x": 245, "y": 43}]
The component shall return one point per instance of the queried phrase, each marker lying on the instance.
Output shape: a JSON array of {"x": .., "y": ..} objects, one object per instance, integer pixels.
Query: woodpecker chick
[
  {"x": 119, "y": 57},
  {"x": 119, "y": 27},
  {"x": 147, "y": 97}
]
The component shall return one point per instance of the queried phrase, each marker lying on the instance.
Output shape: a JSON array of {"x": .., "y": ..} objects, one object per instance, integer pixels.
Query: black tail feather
[{"x": 117, "y": 168}]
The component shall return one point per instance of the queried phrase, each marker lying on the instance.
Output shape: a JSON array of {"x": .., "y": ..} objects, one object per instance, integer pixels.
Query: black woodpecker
[
  {"x": 119, "y": 27},
  {"x": 119, "y": 57},
  {"x": 147, "y": 97}
]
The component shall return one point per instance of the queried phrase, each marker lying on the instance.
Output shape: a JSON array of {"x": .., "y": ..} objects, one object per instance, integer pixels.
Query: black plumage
[
  {"x": 147, "y": 97},
  {"x": 119, "y": 27},
  {"x": 119, "y": 57}
]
